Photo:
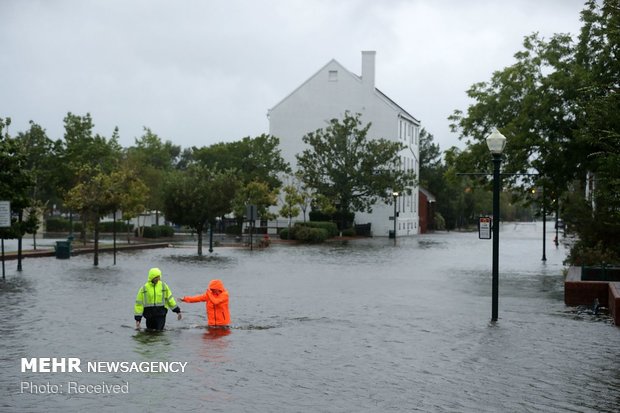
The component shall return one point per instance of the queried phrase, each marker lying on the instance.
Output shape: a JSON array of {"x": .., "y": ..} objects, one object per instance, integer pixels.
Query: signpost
[
  {"x": 5, "y": 222},
  {"x": 484, "y": 227},
  {"x": 251, "y": 214},
  {"x": 5, "y": 214}
]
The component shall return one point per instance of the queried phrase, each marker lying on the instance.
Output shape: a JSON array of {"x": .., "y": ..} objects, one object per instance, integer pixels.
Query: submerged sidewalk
[{"x": 79, "y": 248}]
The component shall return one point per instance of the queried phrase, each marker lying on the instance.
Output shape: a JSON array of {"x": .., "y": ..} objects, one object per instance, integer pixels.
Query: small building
[
  {"x": 329, "y": 94},
  {"x": 427, "y": 210}
]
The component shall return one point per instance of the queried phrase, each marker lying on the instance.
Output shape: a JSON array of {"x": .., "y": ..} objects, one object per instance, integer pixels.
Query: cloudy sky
[{"x": 197, "y": 72}]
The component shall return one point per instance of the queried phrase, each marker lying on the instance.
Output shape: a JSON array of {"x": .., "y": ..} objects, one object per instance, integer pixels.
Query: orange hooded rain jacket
[{"x": 216, "y": 303}]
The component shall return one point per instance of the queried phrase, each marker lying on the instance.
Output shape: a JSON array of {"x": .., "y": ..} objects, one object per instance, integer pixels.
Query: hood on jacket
[
  {"x": 154, "y": 272},
  {"x": 216, "y": 285}
]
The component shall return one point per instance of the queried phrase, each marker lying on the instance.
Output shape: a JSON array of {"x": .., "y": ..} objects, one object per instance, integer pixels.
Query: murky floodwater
[{"x": 364, "y": 326}]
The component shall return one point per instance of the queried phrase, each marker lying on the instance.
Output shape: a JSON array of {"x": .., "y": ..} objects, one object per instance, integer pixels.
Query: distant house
[
  {"x": 328, "y": 94},
  {"x": 427, "y": 210}
]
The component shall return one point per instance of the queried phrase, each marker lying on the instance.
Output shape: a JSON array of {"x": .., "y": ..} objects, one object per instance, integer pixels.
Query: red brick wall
[{"x": 423, "y": 211}]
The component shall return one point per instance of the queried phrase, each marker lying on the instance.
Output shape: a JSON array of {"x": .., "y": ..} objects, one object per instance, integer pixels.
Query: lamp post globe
[{"x": 496, "y": 142}]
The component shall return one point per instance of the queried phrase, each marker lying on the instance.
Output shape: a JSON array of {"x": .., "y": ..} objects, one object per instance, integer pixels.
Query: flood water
[{"x": 362, "y": 326}]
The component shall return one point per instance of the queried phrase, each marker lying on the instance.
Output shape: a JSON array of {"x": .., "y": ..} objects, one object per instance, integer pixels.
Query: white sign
[
  {"x": 484, "y": 228},
  {"x": 5, "y": 214}
]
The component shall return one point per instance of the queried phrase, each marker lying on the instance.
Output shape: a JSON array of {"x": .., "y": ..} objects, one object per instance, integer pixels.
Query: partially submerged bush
[{"x": 310, "y": 235}]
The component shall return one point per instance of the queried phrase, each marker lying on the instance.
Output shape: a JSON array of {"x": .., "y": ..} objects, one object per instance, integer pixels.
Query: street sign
[
  {"x": 5, "y": 214},
  {"x": 251, "y": 213},
  {"x": 484, "y": 227}
]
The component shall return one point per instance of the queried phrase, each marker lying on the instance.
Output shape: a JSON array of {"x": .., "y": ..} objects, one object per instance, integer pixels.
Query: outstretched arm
[{"x": 194, "y": 298}]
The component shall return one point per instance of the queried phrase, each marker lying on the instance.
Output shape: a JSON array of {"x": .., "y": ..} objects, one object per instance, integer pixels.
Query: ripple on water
[{"x": 362, "y": 326}]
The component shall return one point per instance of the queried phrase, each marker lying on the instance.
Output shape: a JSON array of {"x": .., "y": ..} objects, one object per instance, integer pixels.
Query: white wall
[{"x": 328, "y": 94}]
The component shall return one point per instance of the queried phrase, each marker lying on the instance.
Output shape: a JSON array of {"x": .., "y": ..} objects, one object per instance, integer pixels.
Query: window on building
[{"x": 333, "y": 75}]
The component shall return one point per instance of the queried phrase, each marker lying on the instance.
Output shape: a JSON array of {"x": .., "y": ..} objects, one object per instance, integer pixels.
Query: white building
[{"x": 328, "y": 94}]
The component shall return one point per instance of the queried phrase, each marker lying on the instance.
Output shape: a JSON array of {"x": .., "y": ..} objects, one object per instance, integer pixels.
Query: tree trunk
[
  {"x": 96, "y": 257},
  {"x": 199, "y": 232},
  {"x": 20, "y": 218}
]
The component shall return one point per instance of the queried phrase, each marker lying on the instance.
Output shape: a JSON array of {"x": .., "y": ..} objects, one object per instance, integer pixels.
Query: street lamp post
[
  {"x": 395, "y": 195},
  {"x": 496, "y": 143},
  {"x": 544, "y": 214}
]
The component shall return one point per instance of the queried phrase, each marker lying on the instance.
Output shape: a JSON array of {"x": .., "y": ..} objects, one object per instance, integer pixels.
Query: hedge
[
  {"x": 331, "y": 229},
  {"x": 156, "y": 231},
  {"x": 60, "y": 224},
  {"x": 310, "y": 235}
]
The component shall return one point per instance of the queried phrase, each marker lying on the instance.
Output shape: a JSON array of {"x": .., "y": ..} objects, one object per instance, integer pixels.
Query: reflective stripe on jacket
[{"x": 158, "y": 295}]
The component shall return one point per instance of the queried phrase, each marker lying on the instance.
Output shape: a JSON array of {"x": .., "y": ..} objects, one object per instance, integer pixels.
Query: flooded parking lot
[{"x": 360, "y": 326}]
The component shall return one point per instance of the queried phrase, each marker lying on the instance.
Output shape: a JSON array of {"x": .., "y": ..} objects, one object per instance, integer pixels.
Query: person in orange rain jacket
[{"x": 216, "y": 303}]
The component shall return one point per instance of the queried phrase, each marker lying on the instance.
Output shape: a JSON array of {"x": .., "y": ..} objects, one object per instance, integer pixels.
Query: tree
[
  {"x": 92, "y": 199},
  {"x": 130, "y": 194},
  {"x": 532, "y": 102},
  {"x": 290, "y": 208},
  {"x": 15, "y": 183},
  {"x": 197, "y": 196},
  {"x": 255, "y": 159},
  {"x": 82, "y": 153},
  {"x": 153, "y": 160},
  {"x": 350, "y": 169},
  {"x": 597, "y": 222},
  {"x": 256, "y": 193},
  {"x": 558, "y": 106},
  {"x": 40, "y": 162}
]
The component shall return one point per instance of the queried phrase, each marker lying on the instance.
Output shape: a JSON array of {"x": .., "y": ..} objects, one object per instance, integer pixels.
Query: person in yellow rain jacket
[
  {"x": 153, "y": 301},
  {"x": 216, "y": 303}
]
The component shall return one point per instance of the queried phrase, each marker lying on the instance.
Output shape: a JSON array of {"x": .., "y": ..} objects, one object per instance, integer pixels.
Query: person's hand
[
  {"x": 137, "y": 325},
  {"x": 183, "y": 299},
  {"x": 179, "y": 316}
]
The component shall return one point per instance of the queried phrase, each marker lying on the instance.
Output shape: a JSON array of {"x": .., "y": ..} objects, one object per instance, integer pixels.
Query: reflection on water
[
  {"x": 152, "y": 344},
  {"x": 195, "y": 260},
  {"x": 357, "y": 326}
]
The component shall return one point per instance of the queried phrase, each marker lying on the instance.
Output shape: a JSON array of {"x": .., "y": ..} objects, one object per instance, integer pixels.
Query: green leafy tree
[
  {"x": 93, "y": 199},
  {"x": 558, "y": 107},
  {"x": 41, "y": 163},
  {"x": 16, "y": 182},
  {"x": 197, "y": 196},
  {"x": 130, "y": 194},
  {"x": 290, "y": 207},
  {"x": 82, "y": 153},
  {"x": 597, "y": 221},
  {"x": 106, "y": 193},
  {"x": 532, "y": 102},
  {"x": 256, "y": 193},
  {"x": 255, "y": 159},
  {"x": 350, "y": 169},
  {"x": 153, "y": 159}
]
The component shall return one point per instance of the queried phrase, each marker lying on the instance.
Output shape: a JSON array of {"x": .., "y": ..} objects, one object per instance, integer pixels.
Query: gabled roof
[
  {"x": 344, "y": 69},
  {"x": 356, "y": 77},
  {"x": 397, "y": 105}
]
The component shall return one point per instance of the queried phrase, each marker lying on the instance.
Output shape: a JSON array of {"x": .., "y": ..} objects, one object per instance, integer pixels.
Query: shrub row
[
  {"x": 120, "y": 226},
  {"x": 330, "y": 228},
  {"x": 156, "y": 231},
  {"x": 60, "y": 224},
  {"x": 310, "y": 232},
  {"x": 340, "y": 218}
]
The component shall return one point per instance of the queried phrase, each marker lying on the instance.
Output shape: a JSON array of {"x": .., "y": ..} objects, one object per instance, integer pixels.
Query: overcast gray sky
[{"x": 201, "y": 72}]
